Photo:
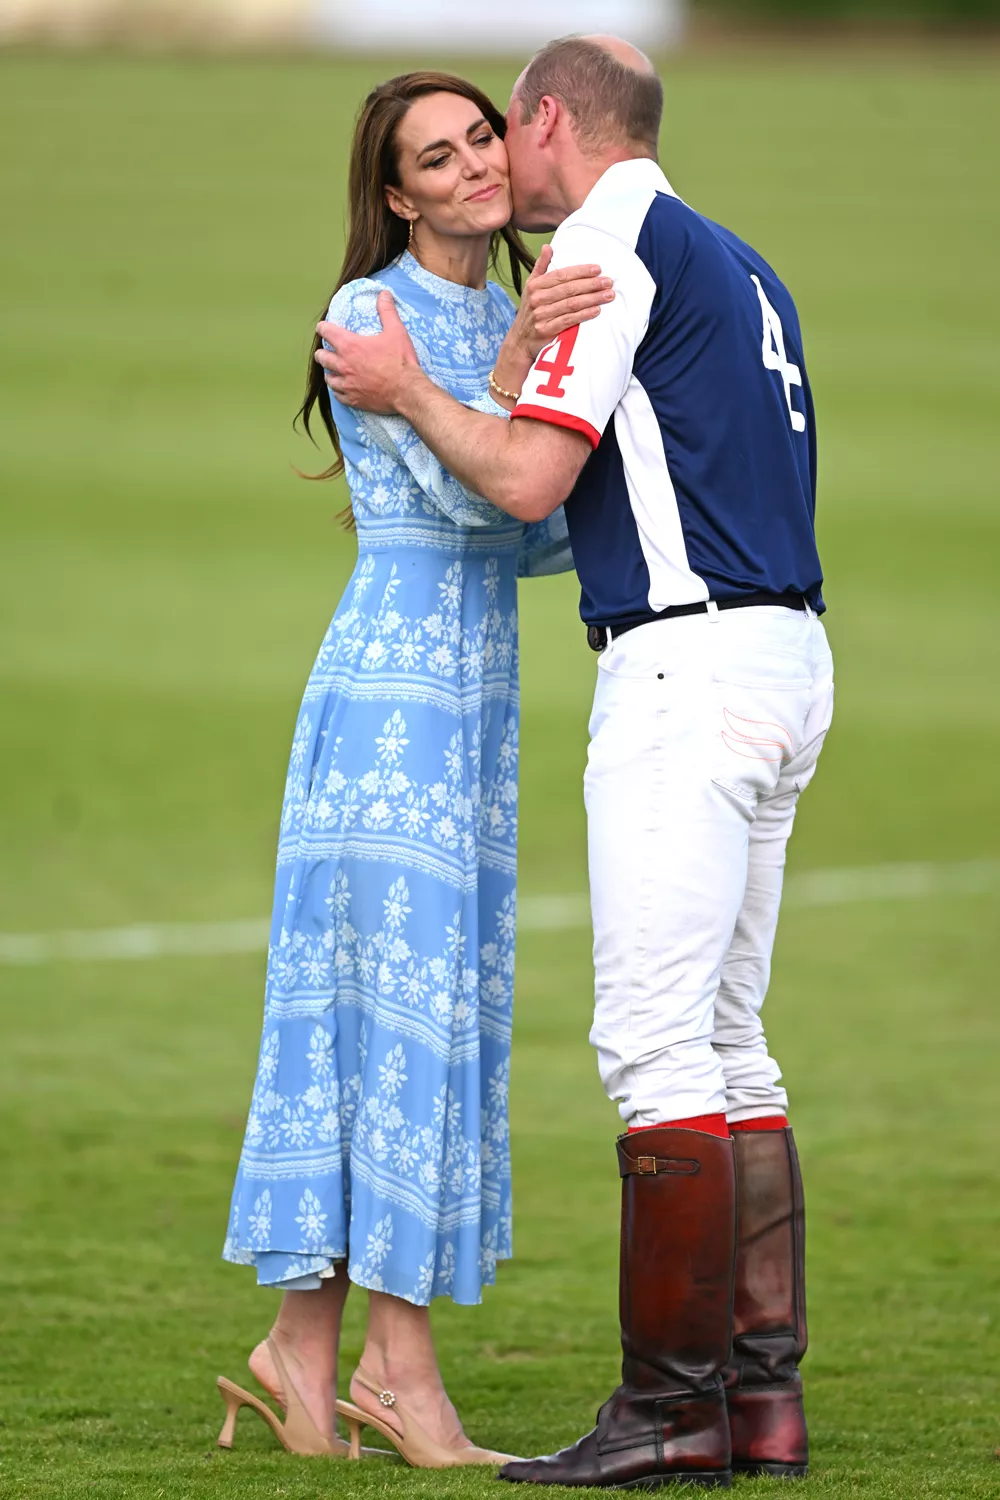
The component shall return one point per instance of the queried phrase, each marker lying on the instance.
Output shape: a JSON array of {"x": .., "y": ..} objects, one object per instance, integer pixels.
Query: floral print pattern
[{"x": 377, "y": 1132}]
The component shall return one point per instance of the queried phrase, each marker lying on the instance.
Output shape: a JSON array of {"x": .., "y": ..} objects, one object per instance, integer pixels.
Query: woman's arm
[
  {"x": 551, "y": 302},
  {"x": 545, "y": 547},
  {"x": 528, "y": 467},
  {"x": 354, "y": 308}
]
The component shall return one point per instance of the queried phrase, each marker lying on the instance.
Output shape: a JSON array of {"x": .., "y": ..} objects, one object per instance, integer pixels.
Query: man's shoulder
[
  {"x": 755, "y": 266},
  {"x": 738, "y": 248},
  {"x": 627, "y": 223},
  {"x": 679, "y": 243}
]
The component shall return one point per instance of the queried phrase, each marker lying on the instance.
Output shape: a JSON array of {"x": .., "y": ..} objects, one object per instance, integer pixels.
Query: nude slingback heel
[
  {"x": 298, "y": 1433},
  {"x": 415, "y": 1445}
]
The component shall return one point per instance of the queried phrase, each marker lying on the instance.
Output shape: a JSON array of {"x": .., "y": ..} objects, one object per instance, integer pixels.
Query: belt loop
[
  {"x": 713, "y": 611},
  {"x": 810, "y": 612}
]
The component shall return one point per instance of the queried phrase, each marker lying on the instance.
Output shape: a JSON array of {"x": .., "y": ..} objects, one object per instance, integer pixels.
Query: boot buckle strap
[{"x": 653, "y": 1166}]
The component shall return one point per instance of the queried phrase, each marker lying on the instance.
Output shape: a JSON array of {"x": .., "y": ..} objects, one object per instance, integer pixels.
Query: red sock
[
  {"x": 764, "y": 1122},
  {"x": 708, "y": 1124}
]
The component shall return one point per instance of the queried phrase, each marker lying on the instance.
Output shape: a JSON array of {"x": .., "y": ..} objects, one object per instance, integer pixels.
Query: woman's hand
[
  {"x": 556, "y": 300},
  {"x": 552, "y": 301}
]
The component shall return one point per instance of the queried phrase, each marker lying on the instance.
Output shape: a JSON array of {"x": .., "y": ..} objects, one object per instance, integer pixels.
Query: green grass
[{"x": 170, "y": 230}]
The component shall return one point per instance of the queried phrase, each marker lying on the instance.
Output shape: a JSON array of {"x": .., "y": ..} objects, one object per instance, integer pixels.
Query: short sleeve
[{"x": 579, "y": 379}]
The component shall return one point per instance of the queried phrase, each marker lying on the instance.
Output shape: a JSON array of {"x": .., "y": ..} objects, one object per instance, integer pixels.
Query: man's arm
[
  {"x": 378, "y": 375},
  {"x": 526, "y": 468},
  {"x": 529, "y": 466}
]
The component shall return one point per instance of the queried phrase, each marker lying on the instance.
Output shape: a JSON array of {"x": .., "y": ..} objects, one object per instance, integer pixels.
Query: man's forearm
[
  {"x": 479, "y": 450},
  {"x": 526, "y": 468}
]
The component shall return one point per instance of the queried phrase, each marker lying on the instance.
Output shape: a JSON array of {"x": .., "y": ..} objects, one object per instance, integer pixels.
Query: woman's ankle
[
  {"x": 399, "y": 1348},
  {"x": 307, "y": 1326},
  {"x": 398, "y": 1344}
]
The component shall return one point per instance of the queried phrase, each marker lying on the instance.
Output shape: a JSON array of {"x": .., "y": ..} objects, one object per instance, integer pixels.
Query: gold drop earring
[{"x": 409, "y": 241}]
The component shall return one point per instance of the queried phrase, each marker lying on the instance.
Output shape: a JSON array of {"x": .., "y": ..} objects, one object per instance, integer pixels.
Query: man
[{"x": 679, "y": 424}]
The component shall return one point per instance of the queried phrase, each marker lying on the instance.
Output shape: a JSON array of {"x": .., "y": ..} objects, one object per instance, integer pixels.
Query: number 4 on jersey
[
  {"x": 554, "y": 360},
  {"x": 773, "y": 350}
]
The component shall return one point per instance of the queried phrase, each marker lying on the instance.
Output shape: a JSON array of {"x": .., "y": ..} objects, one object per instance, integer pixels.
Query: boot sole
[
  {"x": 706, "y": 1479},
  {"x": 709, "y": 1479},
  {"x": 774, "y": 1471}
]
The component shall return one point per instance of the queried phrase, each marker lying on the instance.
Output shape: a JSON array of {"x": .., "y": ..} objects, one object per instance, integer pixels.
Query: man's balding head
[
  {"x": 609, "y": 88},
  {"x": 626, "y": 54}
]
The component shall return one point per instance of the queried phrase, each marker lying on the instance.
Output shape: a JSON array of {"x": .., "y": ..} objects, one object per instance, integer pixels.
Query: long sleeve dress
[{"x": 378, "y": 1126}]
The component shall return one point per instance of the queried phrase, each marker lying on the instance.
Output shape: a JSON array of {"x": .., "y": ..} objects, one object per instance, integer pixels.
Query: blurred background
[{"x": 172, "y": 184}]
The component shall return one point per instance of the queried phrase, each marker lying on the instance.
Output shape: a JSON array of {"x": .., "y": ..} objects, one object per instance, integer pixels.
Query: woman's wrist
[
  {"x": 501, "y": 395},
  {"x": 510, "y": 371}
]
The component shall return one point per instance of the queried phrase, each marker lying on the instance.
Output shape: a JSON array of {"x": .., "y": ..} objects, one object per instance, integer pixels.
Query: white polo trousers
[{"x": 705, "y": 730}]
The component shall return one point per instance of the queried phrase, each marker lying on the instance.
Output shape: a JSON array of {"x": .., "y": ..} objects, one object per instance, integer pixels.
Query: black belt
[{"x": 597, "y": 635}]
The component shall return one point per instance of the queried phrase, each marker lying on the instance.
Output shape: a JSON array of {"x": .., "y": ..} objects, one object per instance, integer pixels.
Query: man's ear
[{"x": 547, "y": 118}]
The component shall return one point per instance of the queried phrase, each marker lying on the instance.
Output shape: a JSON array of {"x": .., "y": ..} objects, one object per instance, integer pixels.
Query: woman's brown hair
[{"x": 375, "y": 235}]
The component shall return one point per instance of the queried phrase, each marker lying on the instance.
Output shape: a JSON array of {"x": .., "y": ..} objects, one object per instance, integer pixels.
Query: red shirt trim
[
  {"x": 559, "y": 419},
  {"x": 709, "y": 1124},
  {"x": 761, "y": 1122}
]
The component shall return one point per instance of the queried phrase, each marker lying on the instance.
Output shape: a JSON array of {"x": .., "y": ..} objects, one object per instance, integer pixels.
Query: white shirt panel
[
  {"x": 579, "y": 379},
  {"x": 654, "y": 504}
]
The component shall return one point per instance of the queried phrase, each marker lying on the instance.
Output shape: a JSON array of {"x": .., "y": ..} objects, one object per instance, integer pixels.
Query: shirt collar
[{"x": 638, "y": 174}]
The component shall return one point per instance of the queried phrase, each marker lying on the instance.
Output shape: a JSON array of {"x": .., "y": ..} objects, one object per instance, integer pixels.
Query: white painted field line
[
  {"x": 535, "y": 914},
  {"x": 152, "y": 940},
  {"x": 892, "y": 882}
]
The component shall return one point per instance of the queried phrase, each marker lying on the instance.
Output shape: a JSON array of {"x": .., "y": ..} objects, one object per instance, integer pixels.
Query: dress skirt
[{"x": 378, "y": 1128}]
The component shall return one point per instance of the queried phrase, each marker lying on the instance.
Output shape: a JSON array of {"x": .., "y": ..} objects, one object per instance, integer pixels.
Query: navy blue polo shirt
[{"x": 691, "y": 387}]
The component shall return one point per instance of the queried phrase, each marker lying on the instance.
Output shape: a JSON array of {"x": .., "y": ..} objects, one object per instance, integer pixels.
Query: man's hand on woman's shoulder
[{"x": 368, "y": 370}]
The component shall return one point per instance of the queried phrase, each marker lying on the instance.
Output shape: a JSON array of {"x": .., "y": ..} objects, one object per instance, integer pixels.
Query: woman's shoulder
[
  {"x": 353, "y": 305},
  {"x": 501, "y": 297},
  {"x": 502, "y": 303}
]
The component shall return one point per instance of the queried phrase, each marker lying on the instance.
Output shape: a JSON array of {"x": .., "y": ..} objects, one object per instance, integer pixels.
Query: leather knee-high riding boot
[
  {"x": 666, "y": 1423},
  {"x": 763, "y": 1385}
]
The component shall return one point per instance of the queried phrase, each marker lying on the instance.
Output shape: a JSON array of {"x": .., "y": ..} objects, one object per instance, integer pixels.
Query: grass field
[{"x": 170, "y": 230}]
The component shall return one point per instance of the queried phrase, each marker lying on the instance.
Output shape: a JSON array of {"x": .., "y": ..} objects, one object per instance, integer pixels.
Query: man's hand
[
  {"x": 368, "y": 370},
  {"x": 526, "y": 468}
]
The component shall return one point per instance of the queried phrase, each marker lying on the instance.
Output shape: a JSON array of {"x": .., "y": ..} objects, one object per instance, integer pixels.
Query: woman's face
[{"x": 453, "y": 171}]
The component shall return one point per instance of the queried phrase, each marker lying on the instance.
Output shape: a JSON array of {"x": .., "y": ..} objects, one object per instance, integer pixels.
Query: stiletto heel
[
  {"x": 298, "y": 1433},
  {"x": 353, "y": 1431},
  {"x": 413, "y": 1443},
  {"x": 233, "y": 1404}
]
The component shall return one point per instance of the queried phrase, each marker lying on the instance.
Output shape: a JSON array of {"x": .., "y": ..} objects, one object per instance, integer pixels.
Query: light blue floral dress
[{"x": 378, "y": 1126}]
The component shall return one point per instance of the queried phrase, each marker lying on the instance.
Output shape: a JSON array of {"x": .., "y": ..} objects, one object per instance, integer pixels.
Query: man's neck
[{"x": 581, "y": 175}]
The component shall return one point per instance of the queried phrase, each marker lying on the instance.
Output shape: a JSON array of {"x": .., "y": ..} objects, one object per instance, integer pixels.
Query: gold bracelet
[{"x": 511, "y": 395}]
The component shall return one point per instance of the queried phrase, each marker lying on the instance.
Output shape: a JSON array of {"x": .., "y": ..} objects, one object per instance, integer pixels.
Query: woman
[{"x": 377, "y": 1147}]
